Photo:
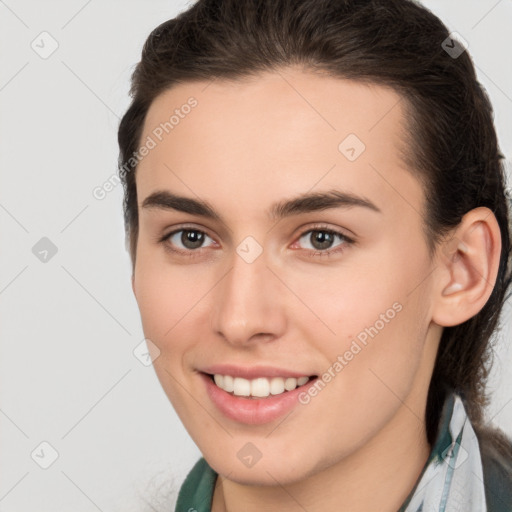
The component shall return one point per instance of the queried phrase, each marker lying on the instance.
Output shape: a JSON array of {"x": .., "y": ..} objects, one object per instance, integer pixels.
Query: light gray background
[{"x": 68, "y": 326}]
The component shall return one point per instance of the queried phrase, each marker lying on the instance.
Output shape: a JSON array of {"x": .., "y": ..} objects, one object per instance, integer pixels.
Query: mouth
[{"x": 257, "y": 400}]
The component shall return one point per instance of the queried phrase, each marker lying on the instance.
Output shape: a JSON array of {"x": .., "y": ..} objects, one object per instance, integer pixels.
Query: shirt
[{"x": 459, "y": 475}]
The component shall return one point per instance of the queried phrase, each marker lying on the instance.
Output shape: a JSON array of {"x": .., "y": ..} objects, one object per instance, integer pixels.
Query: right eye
[{"x": 185, "y": 240}]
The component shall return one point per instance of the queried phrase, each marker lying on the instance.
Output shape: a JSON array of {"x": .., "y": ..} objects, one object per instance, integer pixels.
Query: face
[{"x": 238, "y": 274}]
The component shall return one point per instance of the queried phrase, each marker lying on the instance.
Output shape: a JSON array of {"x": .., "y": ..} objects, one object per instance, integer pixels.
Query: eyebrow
[{"x": 304, "y": 203}]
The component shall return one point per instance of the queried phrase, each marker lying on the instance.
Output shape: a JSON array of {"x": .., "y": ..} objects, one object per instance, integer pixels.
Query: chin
[{"x": 269, "y": 472}]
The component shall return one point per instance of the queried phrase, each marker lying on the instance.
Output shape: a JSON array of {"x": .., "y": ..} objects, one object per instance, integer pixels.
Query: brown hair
[{"x": 453, "y": 146}]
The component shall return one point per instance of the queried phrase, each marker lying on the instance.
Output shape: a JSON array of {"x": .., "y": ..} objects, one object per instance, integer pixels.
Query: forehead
[{"x": 277, "y": 133}]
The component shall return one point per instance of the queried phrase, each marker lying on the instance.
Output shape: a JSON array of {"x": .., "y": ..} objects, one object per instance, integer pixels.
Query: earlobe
[
  {"x": 468, "y": 266},
  {"x": 133, "y": 284}
]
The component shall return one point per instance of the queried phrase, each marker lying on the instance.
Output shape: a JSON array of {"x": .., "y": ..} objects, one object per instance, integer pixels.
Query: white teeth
[
  {"x": 276, "y": 386},
  {"x": 228, "y": 384},
  {"x": 260, "y": 387},
  {"x": 290, "y": 384},
  {"x": 242, "y": 387}
]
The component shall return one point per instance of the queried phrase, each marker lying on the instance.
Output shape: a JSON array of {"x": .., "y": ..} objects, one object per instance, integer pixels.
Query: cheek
[
  {"x": 165, "y": 296},
  {"x": 354, "y": 295},
  {"x": 168, "y": 298},
  {"x": 373, "y": 314}
]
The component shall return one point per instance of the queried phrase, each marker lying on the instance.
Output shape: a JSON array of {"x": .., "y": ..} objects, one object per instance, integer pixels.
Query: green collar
[{"x": 196, "y": 493}]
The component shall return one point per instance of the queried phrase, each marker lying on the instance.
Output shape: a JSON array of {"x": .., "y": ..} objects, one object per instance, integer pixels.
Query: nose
[{"x": 248, "y": 303}]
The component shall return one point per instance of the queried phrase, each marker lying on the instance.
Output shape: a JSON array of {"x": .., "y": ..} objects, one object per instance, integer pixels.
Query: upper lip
[{"x": 253, "y": 372}]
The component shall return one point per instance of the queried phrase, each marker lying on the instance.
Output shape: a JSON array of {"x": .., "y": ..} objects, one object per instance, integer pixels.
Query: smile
[
  {"x": 255, "y": 400},
  {"x": 260, "y": 387}
]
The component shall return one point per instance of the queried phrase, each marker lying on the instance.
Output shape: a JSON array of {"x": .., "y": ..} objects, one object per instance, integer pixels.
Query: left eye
[{"x": 322, "y": 239}]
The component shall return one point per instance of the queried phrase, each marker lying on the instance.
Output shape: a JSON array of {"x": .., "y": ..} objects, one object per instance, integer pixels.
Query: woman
[{"x": 316, "y": 214}]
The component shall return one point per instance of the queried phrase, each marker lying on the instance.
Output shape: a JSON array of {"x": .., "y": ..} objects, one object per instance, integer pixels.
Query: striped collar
[{"x": 452, "y": 479}]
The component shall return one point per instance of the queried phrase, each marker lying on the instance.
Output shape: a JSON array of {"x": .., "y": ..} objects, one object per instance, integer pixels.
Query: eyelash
[{"x": 191, "y": 253}]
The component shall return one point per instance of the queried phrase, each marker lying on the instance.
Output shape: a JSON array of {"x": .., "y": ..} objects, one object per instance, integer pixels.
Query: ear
[{"x": 467, "y": 266}]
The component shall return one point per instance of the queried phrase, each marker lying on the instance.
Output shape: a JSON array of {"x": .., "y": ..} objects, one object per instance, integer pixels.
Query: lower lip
[{"x": 253, "y": 411}]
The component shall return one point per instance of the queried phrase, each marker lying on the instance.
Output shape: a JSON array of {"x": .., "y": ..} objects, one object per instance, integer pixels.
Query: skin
[{"x": 360, "y": 444}]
